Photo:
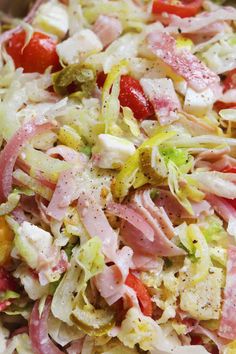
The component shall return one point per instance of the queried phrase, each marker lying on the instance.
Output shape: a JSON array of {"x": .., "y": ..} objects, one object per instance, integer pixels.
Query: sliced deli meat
[
  {"x": 228, "y": 320},
  {"x": 182, "y": 61}
]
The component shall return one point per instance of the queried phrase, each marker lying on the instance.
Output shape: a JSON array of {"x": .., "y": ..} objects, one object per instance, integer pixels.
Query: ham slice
[
  {"x": 108, "y": 29},
  {"x": 38, "y": 331},
  {"x": 161, "y": 224},
  {"x": 228, "y": 320},
  {"x": 11, "y": 151},
  {"x": 201, "y": 21},
  {"x": 222, "y": 207},
  {"x": 164, "y": 99},
  {"x": 96, "y": 223},
  {"x": 63, "y": 194},
  {"x": 68, "y": 154},
  {"x": 182, "y": 62},
  {"x": 127, "y": 213}
]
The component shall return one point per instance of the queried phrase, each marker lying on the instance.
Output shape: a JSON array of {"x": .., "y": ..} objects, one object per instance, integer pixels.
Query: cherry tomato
[
  {"x": 142, "y": 294},
  {"x": 230, "y": 81},
  {"x": 131, "y": 95},
  {"x": 37, "y": 56},
  {"x": 181, "y": 8}
]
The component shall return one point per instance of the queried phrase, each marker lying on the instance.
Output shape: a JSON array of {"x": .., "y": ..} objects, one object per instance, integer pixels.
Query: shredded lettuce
[
  {"x": 19, "y": 343},
  {"x": 126, "y": 177}
]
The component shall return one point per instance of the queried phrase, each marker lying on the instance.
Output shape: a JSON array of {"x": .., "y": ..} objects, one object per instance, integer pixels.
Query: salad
[{"x": 118, "y": 178}]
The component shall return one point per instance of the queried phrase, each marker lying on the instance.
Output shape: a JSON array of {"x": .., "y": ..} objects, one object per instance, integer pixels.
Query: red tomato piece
[
  {"x": 6, "y": 281},
  {"x": 230, "y": 81},
  {"x": 101, "y": 78},
  {"x": 229, "y": 170},
  {"x": 37, "y": 56},
  {"x": 181, "y": 8},
  {"x": 132, "y": 96},
  {"x": 142, "y": 294},
  {"x": 223, "y": 105}
]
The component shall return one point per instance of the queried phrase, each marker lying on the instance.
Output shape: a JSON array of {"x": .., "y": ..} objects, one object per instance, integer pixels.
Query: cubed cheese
[
  {"x": 198, "y": 103},
  {"x": 80, "y": 45},
  {"x": 203, "y": 300},
  {"x": 111, "y": 151},
  {"x": 53, "y": 18},
  {"x": 33, "y": 243}
]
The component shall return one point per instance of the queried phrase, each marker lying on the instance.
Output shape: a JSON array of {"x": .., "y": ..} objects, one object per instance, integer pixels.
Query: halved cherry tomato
[
  {"x": 142, "y": 294},
  {"x": 131, "y": 95},
  {"x": 181, "y": 8},
  {"x": 37, "y": 56}
]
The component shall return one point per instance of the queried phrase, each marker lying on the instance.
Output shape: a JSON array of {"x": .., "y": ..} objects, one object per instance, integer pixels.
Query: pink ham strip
[
  {"x": 228, "y": 320},
  {"x": 221, "y": 207},
  {"x": 11, "y": 151},
  {"x": 110, "y": 282},
  {"x": 38, "y": 331},
  {"x": 219, "y": 342},
  {"x": 201, "y": 21},
  {"x": 76, "y": 346},
  {"x": 68, "y": 154},
  {"x": 143, "y": 263},
  {"x": 182, "y": 62},
  {"x": 96, "y": 224},
  {"x": 108, "y": 29},
  {"x": 127, "y": 213},
  {"x": 63, "y": 194},
  {"x": 159, "y": 221}
]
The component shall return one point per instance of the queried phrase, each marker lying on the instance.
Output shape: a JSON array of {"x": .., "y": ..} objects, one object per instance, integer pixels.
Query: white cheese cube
[
  {"x": 203, "y": 300},
  {"x": 53, "y": 18},
  {"x": 198, "y": 103},
  {"x": 79, "y": 46},
  {"x": 111, "y": 151}
]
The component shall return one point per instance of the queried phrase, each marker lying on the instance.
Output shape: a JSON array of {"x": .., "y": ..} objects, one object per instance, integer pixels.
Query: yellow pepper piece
[
  {"x": 69, "y": 137},
  {"x": 183, "y": 42},
  {"x": 231, "y": 348},
  {"x": 126, "y": 177},
  {"x": 6, "y": 241}
]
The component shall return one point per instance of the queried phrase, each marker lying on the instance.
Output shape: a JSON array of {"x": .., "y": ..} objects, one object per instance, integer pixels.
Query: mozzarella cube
[
  {"x": 198, "y": 103},
  {"x": 79, "y": 46},
  {"x": 203, "y": 300},
  {"x": 112, "y": 152},
  {"x": 52, "y": 18},
  {"x": 34, "y": 243}
]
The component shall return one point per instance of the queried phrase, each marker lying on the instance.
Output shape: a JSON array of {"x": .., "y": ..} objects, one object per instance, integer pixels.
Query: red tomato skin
[
  {"x": 223, "y": 105},
  {"x": 230, "y": 81},
  {"x": 37, "y": 56},
  {"x": 132, "y": 96},
  {"x": 142, "y": 294},
  {"x": 186, "y": 9}
]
